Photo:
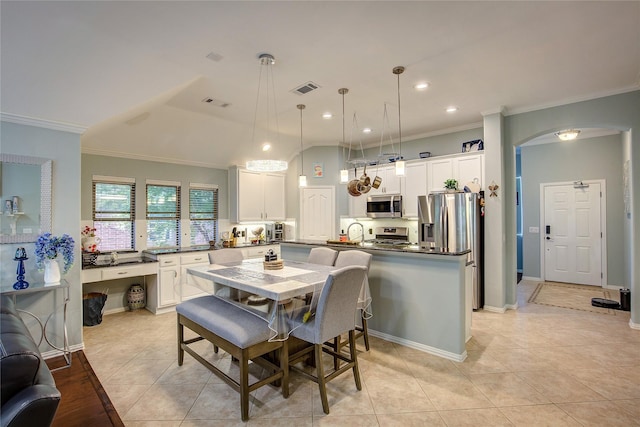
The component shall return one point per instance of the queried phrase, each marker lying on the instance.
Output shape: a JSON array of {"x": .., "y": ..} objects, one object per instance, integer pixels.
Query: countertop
[
  {"x": 187, "y": 249},
  {"x": 415, "y": 249},
  {"x": 120, "y": 263}
]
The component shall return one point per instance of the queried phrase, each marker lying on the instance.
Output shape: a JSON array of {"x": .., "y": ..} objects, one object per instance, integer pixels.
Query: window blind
[
  {"x": 203, "y": 215},
  {"x": 163, "y": 215},
  {"x": 113, "y": 211}
]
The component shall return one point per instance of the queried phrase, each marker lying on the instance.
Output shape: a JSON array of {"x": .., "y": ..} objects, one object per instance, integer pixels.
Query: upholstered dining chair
[
  {"x": 220, "y": 256},
  {"x": 324, "y": 256},
  {"x": 333, "y": 317},
  {"x": 363, "y": 259}
]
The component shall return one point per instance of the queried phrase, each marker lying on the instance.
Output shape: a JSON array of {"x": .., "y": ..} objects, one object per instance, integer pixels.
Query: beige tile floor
[{"x": 535, "y": 366}]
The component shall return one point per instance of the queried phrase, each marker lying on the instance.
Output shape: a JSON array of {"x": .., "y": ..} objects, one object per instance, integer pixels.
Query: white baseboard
[
  {"x": 634, "y": 325},
  {"x": 55, "y": 353},
  {"x": 115, "y": 310},
  {"x": 512, "y": 306},
  {"x": 533, "y": 279},
  {"x": 427, "y": 349},
  {"x": 495, "y": 309}
]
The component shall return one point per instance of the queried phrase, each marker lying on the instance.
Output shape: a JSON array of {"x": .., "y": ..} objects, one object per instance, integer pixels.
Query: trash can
[
  {"x": 625, "y": 299},
  {"x": 93, "y": 308}
]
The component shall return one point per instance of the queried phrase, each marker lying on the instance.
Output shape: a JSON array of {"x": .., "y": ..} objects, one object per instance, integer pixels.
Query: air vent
[
  {"x": 305, "y": 88},
  {"x": 216, "y": 102}
]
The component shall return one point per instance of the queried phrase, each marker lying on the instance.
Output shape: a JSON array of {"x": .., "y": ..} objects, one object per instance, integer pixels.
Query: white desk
[
  {"x": 296, "y": 279},
  {"x": 41, "y": 287}
]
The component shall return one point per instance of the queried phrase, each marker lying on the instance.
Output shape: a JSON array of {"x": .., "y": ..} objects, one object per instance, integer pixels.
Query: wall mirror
[{"x": 25, "y": 194}]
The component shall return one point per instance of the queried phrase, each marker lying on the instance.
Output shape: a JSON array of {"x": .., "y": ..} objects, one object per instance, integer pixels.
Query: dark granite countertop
[
  {"x": 414, "y": 249},
  {"x": 187, "y": 249},
  {"x": 120, "y": 263}
]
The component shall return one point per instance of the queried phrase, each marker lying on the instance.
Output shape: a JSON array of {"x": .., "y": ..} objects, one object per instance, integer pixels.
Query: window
[
  {"x": 163, "y": 215},
  {"x": 203, "y": 213},
  {"x": 114, "y": 212}
]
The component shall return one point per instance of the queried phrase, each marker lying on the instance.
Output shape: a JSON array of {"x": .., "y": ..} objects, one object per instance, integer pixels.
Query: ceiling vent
[
  {"x": 216, "y": 102},
  {"x": 306, "y": 88}
]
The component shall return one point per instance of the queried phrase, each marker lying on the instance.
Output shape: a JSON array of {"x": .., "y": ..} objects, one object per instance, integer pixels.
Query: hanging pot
[
  {"x": 364, "y": 179},
  {"x": 376, "y": 182},
  {"x": 352, "y": 187}
]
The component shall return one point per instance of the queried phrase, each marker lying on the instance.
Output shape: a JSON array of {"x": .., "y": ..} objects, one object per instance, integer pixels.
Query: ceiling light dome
[{"x": 568, "y": 135}]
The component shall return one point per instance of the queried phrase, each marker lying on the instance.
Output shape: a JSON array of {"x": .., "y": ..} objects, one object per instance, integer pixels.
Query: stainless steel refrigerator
[{"x": 453, "y": 222}]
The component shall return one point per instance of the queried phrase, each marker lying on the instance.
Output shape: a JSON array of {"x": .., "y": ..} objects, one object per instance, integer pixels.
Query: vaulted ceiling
[{"x": 134, "y": 74}]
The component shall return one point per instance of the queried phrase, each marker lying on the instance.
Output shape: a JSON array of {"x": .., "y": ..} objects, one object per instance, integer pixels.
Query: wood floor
[{"x": 84, "y": 402}]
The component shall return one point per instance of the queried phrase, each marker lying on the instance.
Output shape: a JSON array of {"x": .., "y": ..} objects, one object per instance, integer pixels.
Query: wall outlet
[{"x": 534, "y": 230}]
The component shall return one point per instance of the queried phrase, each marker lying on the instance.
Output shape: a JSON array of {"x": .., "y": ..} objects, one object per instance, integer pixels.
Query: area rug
[{"x": 574, "y": 297}]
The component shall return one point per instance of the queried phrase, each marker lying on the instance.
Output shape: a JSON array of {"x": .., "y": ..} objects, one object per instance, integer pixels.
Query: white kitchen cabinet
[
  {"x": 438, "y": 171},
  {"x": 163, "y": 291},
  {"x": 188, "y": 290},
  {"x": 462, "y": 167},
  {"x": 414, "y": 185},
  {"x": 256, "y": 196},
  {"x": 391, "y": 183},
  {"x": 468, "y": 168}
]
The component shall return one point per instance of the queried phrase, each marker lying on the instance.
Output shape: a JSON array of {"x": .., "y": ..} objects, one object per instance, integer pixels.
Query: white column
[{"x": 494, "y": 217}]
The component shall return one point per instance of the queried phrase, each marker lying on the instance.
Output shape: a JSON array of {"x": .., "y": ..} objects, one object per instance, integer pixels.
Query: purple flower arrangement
[{"x": 48, "y": 247}]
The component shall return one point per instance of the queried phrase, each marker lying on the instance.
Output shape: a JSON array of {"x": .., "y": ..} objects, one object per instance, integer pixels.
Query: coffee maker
[{"x": 274, "y": 232}]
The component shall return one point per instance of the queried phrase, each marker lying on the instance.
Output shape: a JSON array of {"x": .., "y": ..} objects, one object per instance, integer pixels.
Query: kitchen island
[{"x": 420, "y": 298}]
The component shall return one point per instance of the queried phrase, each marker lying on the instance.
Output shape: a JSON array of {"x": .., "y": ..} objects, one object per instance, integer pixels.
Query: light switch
[{"x": 534, "y": 230}]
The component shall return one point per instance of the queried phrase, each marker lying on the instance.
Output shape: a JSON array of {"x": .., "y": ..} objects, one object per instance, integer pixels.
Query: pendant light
[
  {"x": 344, "y": 173},
  {"x": 399, "y": 161},
  {"x": 266, "y": 165},
  {"x": 302, "y": 179}
]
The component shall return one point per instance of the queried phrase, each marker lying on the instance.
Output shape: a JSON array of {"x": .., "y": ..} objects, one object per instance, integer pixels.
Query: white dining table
[{"x": 288, "y": 289}]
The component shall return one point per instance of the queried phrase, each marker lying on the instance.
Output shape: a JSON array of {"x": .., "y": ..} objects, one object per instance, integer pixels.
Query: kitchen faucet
[{"x": 361, "y": 230}]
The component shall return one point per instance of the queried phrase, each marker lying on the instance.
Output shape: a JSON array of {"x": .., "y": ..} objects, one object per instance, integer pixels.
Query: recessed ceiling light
[
  {"x": 452, "y": 109},
  {"x": 327, "y": 115},
  {"x": 367, "y": 130},
  {"x": 421, "y": 86},
  {"x": 266, "y": 146}
]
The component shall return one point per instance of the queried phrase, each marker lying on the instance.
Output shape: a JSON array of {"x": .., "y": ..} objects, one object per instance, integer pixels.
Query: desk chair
[
  {"x": 363, "y": 259},
  {"x": 324, "y": 256},
  {"x": 333, "y": 317}
]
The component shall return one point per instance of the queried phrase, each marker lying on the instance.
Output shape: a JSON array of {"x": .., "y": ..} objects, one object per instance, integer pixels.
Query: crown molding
[
  {"x": 568, "y": 101},
  {"x": 42, "y": 123},
  {"x": 148, "y": 158},
  {"x": 497, "y": 110}
]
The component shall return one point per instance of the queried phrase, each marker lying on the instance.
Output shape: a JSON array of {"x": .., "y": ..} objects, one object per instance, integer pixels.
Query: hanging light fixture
[
  {"x": 266, "y": 165},
  {"x": 568, "y": 135},
  {"x": 344, "y": 173},
  {"x": 399, "y": 161},
  {"x": 302, "y": 179}
]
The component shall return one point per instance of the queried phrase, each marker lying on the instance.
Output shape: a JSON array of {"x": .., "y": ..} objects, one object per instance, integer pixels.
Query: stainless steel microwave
[{"x": 384, "y": 206}]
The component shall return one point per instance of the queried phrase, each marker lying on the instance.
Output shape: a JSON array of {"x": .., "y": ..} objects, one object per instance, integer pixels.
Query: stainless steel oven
[{"x": 384, "y": 206}]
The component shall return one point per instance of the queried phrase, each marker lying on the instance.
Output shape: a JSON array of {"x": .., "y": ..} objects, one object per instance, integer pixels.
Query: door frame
[
  {"x": 333, "y": 211},
  {"x": 603, "y": 225}
]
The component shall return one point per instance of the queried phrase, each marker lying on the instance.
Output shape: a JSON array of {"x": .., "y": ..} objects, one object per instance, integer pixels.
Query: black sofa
[{"x": 28, "y": 392}]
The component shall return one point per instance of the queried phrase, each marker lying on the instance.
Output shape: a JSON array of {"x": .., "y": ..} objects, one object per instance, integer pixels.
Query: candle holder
[{"x": 21, "y": 256}]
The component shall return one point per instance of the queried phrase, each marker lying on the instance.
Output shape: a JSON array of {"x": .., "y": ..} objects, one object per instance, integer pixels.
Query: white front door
[
  {"x": 572, "y": 233},
  {"x": 317, "y": 213}
]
